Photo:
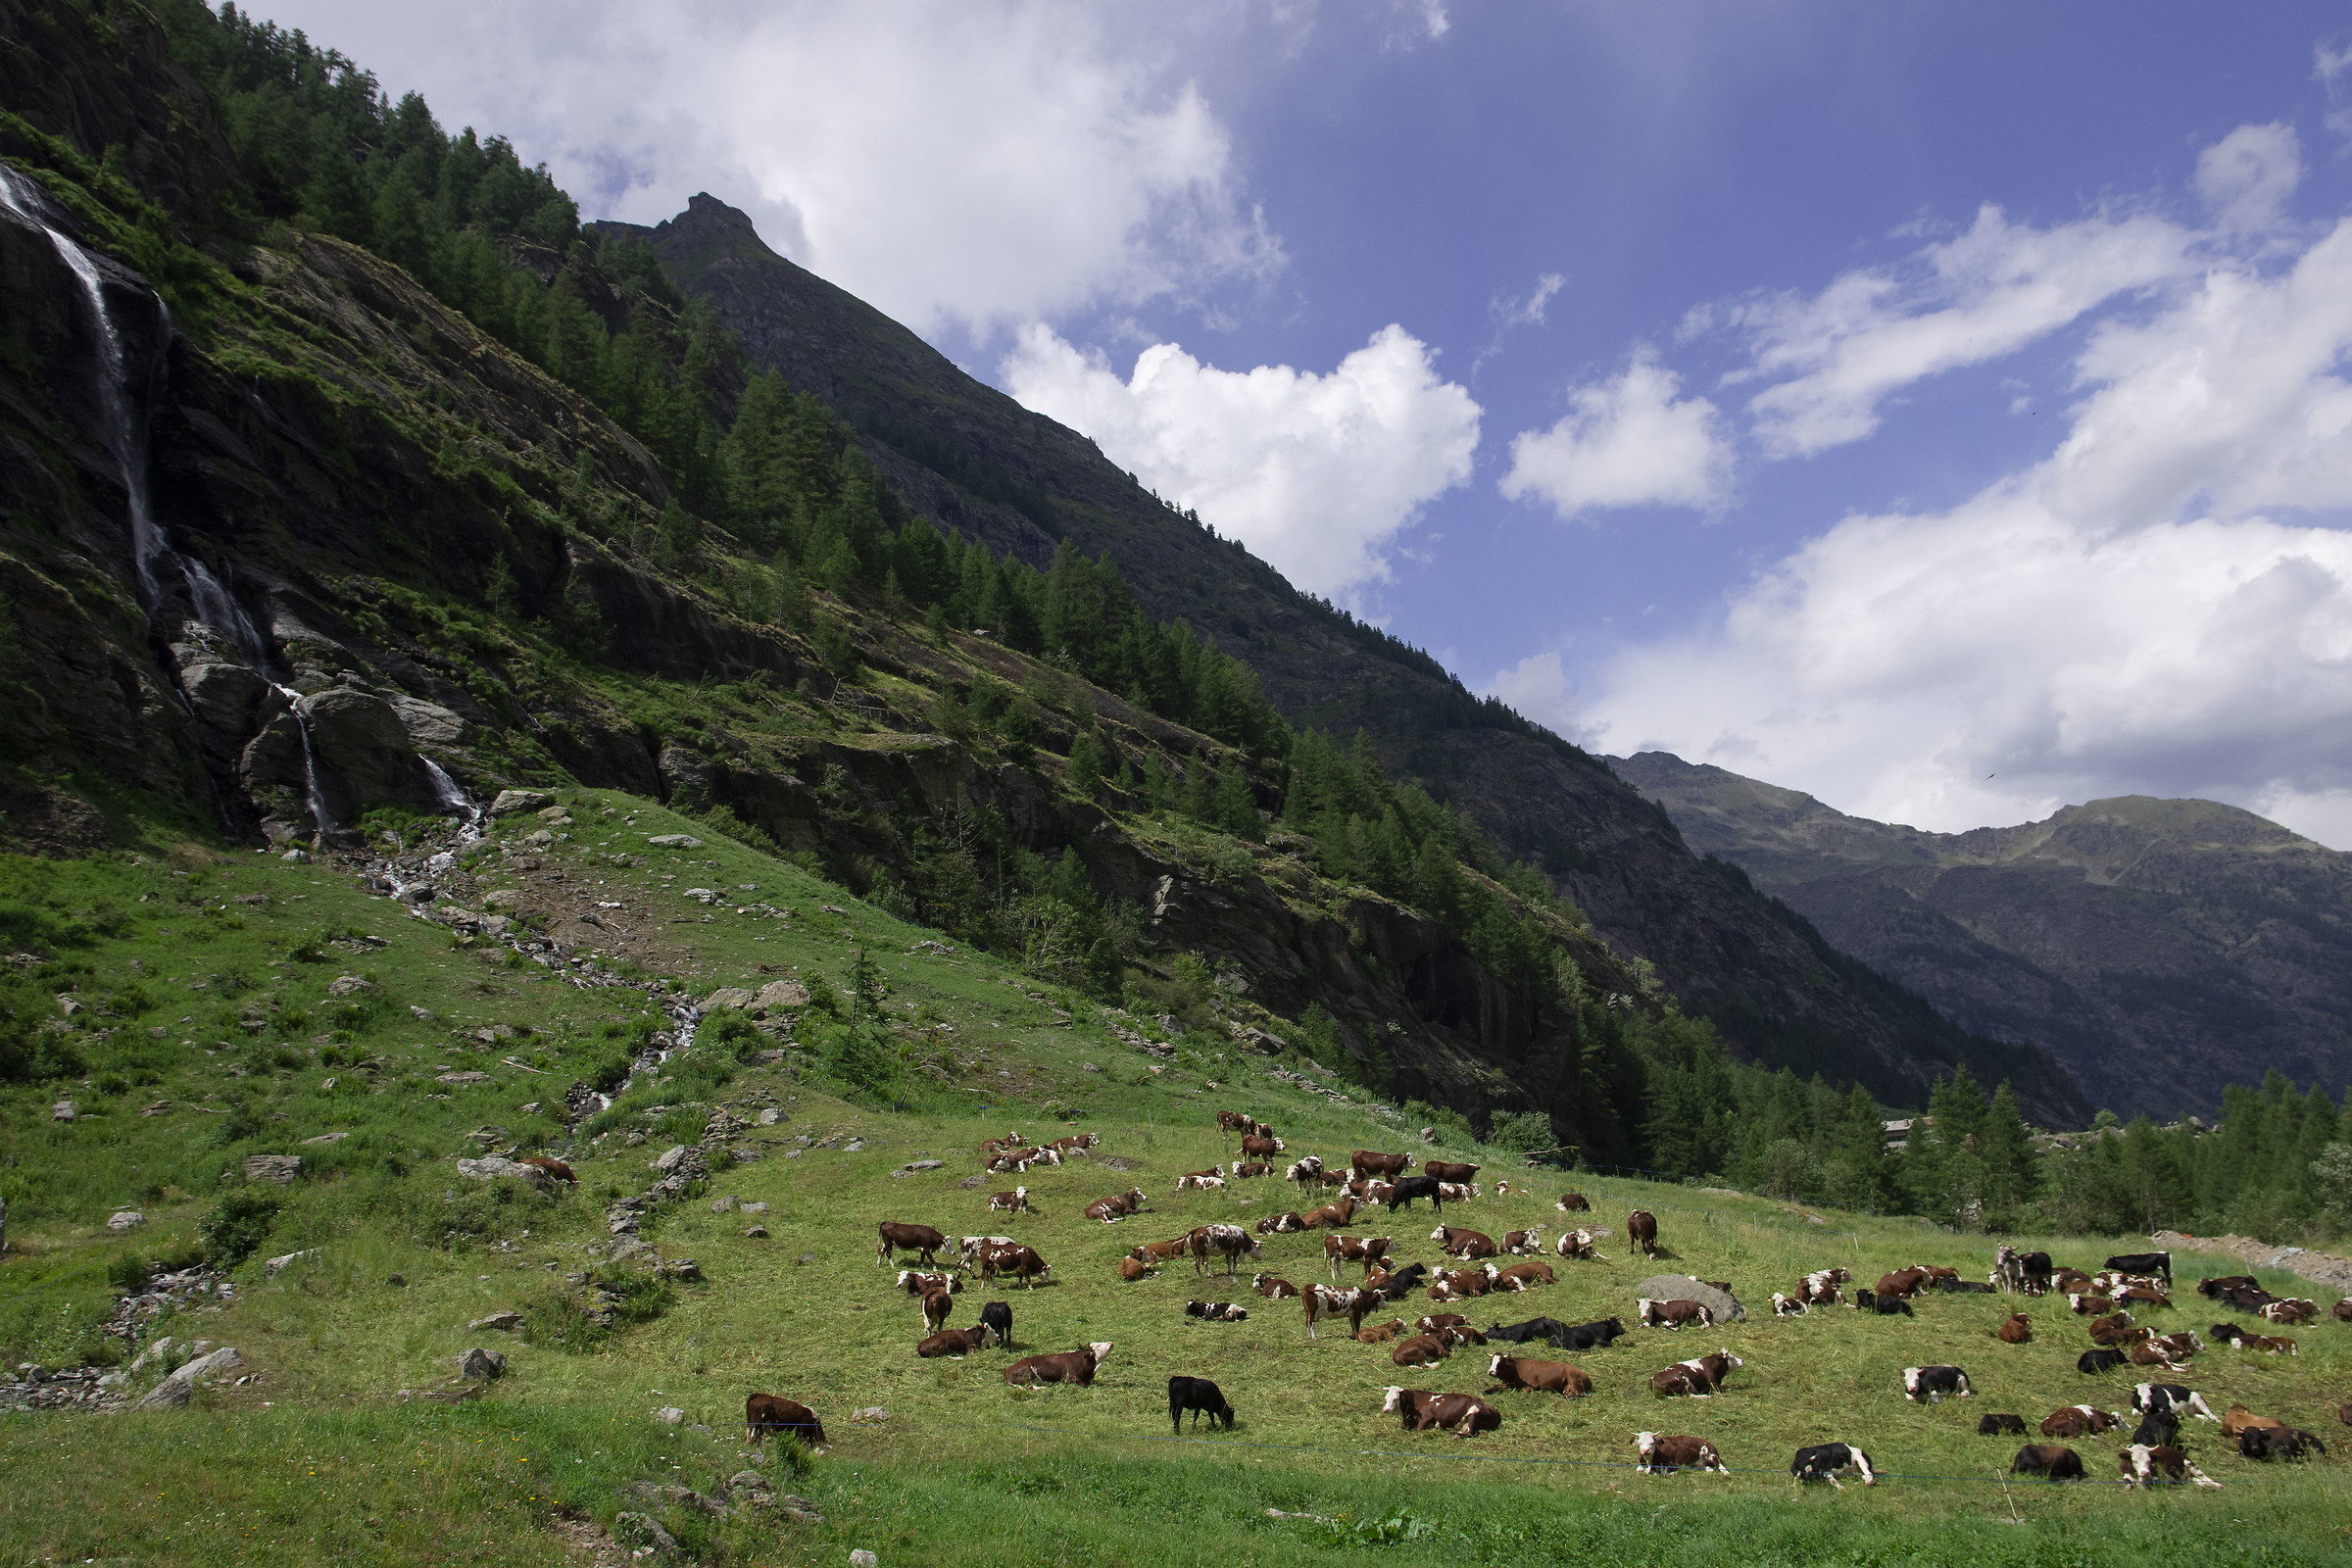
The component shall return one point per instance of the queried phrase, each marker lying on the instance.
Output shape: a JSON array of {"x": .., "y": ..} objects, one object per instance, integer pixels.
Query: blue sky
[{"x": 1935, "y": 408}]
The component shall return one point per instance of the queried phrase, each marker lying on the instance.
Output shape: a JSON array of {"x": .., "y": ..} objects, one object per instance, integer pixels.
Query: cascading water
[{"x": 126, "y": 440}]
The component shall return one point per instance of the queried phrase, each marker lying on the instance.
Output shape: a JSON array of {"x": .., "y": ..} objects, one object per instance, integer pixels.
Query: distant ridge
[{"x": 2159, "y": 948}]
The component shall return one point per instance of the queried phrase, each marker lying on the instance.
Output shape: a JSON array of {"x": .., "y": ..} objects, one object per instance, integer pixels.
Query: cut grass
[{"x": 965, "y": 1469}]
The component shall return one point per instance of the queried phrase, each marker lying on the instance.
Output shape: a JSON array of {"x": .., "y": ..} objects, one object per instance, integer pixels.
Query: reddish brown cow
[
  {"x": 2089, "y": 1306},
  {"x": 1331, "y": 1216},
  {"x": 1280, "y": 1224},
  {"x": 956, "y": 1341},
  {"x": 1438, "y": 1322},
  {"x": 1455, "y": 1283},
  {"x": 1162, "y": 1251},
  {"x": 1369, "y": 1250},
  {"x": 1660, "y": 1454},
  {"x": 1110, "y": 1210},
  {"x": 1257, "y": 1148},
  {"x": 1381, "y": 1332},
  {"x": 1372, "y": 1163},
  {"x": 937, "y": 1308},
  {"x": 1447, "y": 1171},
  {"x": 1422, "y": 1350},
  {"x": 1697, "y": 1377},
  {"x": 1522, "y": 1242},
  {"x": 1574, "y": 1204},
  {"x": 1022, "y": 1262},
  {"x": 920, "y": 1239},
  {"x": 1272, "y": 1288},
  {"x": 1133, "y": 1268},
  {"x": 1244, "y": 1170},
  {"x": 2078, "y": 1420},
  {"x": 1464, "y": 1245},
  {"x": 1655, "y": 1314},
  {"x": 2288, "y": 1311},
  {"x": 1320, "y": 1301},
  {"x": 553, "y": 1168},
  {"x": 2341, "y": 1311},
  {"x": 1642, "y": 1229},
  {"x": 1902, "y": 1282},
  {"x": 2019, "y": 1330},
  {"x": 919, "y": 1285},
  {"x": 1424, "y": 1411},
  {"x": 1233, "y": 1121},
  {"x": 2142, "y": 1296},
  {"x": 1521, "y": 1276},
  {"x": 1066, "y": 1366},
  {"x": 1538, "y": 1376},
  {"x": 763, "y": 1413}
]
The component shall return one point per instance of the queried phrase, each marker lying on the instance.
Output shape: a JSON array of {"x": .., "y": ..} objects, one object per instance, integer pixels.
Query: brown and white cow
[
  {"x": 1229, "y": 1241},
  {"x": 1320, "y": 1301},
  {"x": 1574, "y": 1204},
  {"x": 1372, "y": 1163},
  {"x": 937, "y": 1308},
  {"x": 2288, "y": 1311},
  {"x": 1256, "y": 1147},
  {"x": 1280, "y": 1224},
  {"x": 763, "y": 1413},
  {"x": 2078, "y": 1420},
  {"x": 1166, "y": 1251},
  {"x": 1661, "y": 1454},
  {"x": 2085, "y": 1304},
  {"x": 1699, "y": 1377},
  {"x": 1331, "y": 1216},
  {"x": 1784, "y": 1306},
  {"x": 1110, "y": 1210},
  {"x": 2142, "y": 1297},
  {"x": 1537, "y": 1377},
  {"x": 1820, "y": 1288},
  {"x": 1022, "y": 1262},
  {"x": 1448, "y": 1171},
  {"x": 2018, "y": 1330},
  {"x": 1066, "y": 1366},
  {"x": 1273, "y": 1287},
  {"x": 1233, "y": 1121},
  {"x": 1524, "y": 1244},
  {"x": 919, "y": 1285},
  {"x": 1250, "y": 1169},
  {"x": 1421, "y": 1350},
  {"x": 1369, "y": 1250},
  {"x": 1464, "y": 1245},
  {"x": 1455, "y": 1192},
  {"x": 2143, "y": 1465},
  {"x": 898, "y": 1236},
  {"x": 1424, "y": 1411},
  {"x": 1016, "y": 1199},
  {"x": 2238, "y": 1419},
  {"x": 548, "y": 1165},
  {"x": 1651, "y": 1313},
  {"x": 1520, "y": 1276},
  {"x": 1306, "y": 1171},
  {"x": 1580, "y": 1244},
  {"x": 1133, "y": 1268},
  {"x": 997, "y": 1146},
  {"x": 1903, "y": 1282},
  {"x": 1454, "y": 1284},
  {"x": 1206, "y": 1181},
  {"x": 1379, "y": 1332},
  {"x": 1642, "y": 1229},
  {"x": 956, "y": 1341}
]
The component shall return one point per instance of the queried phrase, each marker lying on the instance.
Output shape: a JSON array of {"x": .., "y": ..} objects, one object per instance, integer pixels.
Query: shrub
[
  {"x": 1524, "y": 1131},
  {"x": 235, "y": 1230}
]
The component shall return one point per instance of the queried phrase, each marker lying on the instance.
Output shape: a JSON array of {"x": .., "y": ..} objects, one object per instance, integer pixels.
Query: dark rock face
[{"x": 2157, "y": 948}]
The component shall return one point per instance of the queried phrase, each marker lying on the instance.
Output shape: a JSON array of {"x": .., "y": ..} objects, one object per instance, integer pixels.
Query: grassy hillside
[{"x": 176, "y": 949}]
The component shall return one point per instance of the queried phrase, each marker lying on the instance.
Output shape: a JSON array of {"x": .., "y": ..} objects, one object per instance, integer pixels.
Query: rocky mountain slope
[
  {"x": 2161, "y": 948},
  {"x": 312, "y": 547}
]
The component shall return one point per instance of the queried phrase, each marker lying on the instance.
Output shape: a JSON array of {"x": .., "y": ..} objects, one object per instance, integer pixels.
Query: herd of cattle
[{"x": 2109, "y": 1299}]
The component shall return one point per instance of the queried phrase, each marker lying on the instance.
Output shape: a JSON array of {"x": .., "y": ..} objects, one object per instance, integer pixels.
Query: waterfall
[{"x": 456, "y": 799}]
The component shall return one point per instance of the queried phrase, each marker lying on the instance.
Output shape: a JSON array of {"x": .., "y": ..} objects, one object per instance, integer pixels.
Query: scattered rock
[
  {"x": 125, "y": 1219},
  {"x": 669, "y": 1159},
  {"x": 675, "y": 841},
  {"x": 423, "y": 1015},
  {"x": 805, "y": 1257},
  {"x": 295, "y": 857},
  {"x": 162, "y": 1108},
  {"x": 758, "y": 1233},
  {"x": 871, "y": 1413},
  {"x": 642, "y": 1530},
  {"x": 496, "y": 1320},
  {"x": 725, "y": 995},
  {"x": 914, "y": 1165},
  {"x": 778, "y": 996},
  {"x": 510, "y": 800},
  {"x": 861, "y": 1559},
  {"x": 462, "y": 1077},
  {"x": 478, "y": 1365},
  {"x": 497, "y": 1168},
  {"x": 722, "y": 1205},
  {"x": 397, "y": 1281},
  {"x": 175, "y": 1390},
  {"x": 327, "y": 1138},
  {"x": 278, "y": 1266},
  {"x": 454, "y": 1393},
  {"x": 279, "y": 1169},
  {"x": 770, "y": 1116},
  {"x": 63, "y": 1111},
  {"x": 755, "y": 1209},
  {"x": 351, "y": 985},
  {"x": 669, "y": 1415}
]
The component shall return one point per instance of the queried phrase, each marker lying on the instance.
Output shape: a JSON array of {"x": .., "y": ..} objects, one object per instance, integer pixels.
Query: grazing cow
[
  {"x": 1233, "y": 1121},
  {"x": 1254, "y": 1148},
  {"x": 1521, "y": 1276},
  {"x": 2019, "y": 1330},
  {"x": 919, "y": 1285},
  {"x": 1367, "y": 1251},
  {"x": 1203, "y": 1181},
  {"x": 1408, "y": 1188},
  {"x": 1198, "y": 1394},
  {"x": 1216, "y": 1311},
  {"x": 1327, "y": 1300},
  {"x": 1904, "y": 1282},
  {"x": 1250, "y": 1169},
  {"x": 2078, "y": 1420},
  {"x": 1280, "y": 1224},
  {"x": 1783, "y": 1306},
  {"x": 1455, "y": 1283},
  {"x": 1664, "y": 1455},
  {"x": 1230, "y": 1243},
  {"x": 2174, "y": 1398},
  {"x": 1065, "y": 1366},
  {"x": 2051, "y": 1461},
  {"x": 2159, "y": 1264},
  {"x": 1883, "y": 1306},
  {"x": 1933, "y": 1383},
  {"x": 763, "y": 1413},
  {"x": 1827, "y": 1461},
  {"x": 554, "y": 1169},
  {"x": 937, "y": 1308},
  {"x": 1371, "y": 1162},
  {"x": 1133, "y": 1268},
  {"x": 1574, "y": 1204},
  {"x": 1022, "y": 1262},
  {"x": 1537, "y": 1377},
  {"x": 1274, "y": 1289},
  {"x": 1522, "y": 1244},
  {"x": 1642, "y": 1229},
  {"x": 1421, "y": 1350},
  {"x": 1422, "y": 1411},
  {"x": 1579, "y": 1243},
  {"x": 2290, "y": 1312},
  {"x": 1594, "y": 1336},
  {"x": 2146, "y": 1465},
  {"x": 997, "y": 1315},
  {"x": 2100, "y": 1361},
  {"x": 1017, "y": 1199},
  {"x": 920, "y": 1239},
  {"x": 1464, "y": 1245},
  {"x": 1110, "y": 1210},
  {"x": 1534, "y": 1327},
  {"x": 1380, "y": 1334},
  {"x": 1994, "y": 1426},
  {"x": 1331, "y": 1216},
  {"x": 1447, "y": 1171},
  {"x": 1656, "y": 1314},
  {"x": 957, "y": 1343}
]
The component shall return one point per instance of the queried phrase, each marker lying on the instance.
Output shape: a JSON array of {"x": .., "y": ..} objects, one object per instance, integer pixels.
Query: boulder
[
  {"x": 779, "y": 996},
  {"x": 230, "y": 698},
  {"x": 125, "y": 1219},
  {"x": 357, "y": 735},
  {"x": 770, "y": 1116},
  {"x": 351, "y": 985},
  {"x": 478, "y": 1365},
  {"x": 428, "y": 723},
  {"x": 63, "y": 1111},
  {"x": 504, "y": 1321},
  {"x": 669, "y": 1415},
  {"x": 497, "y": 1168},
  {"x": 1682, "y": 1287},
  {"x": 278, "y": 1266},
  {"x": 674, "y": 841},
  {"x": 176, "y": 1389},
  {"x": 645, "y": 1532},
  {"x": 511, "y": 801},
  {"x": 283, "y": 1169},
  {"x": 914, "y": 1165},
  {"x": 669, "y": 1159},
  {"x": 727, "y": 997}
]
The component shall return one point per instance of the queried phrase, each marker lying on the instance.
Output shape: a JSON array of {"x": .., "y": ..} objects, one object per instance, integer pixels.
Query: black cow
[
  {"x": 1408, "y": 1188},
  {"x": 997, "y": 1315},
  {"x": 1198, "y": 1394},
  {"x": 1959, "y": 1286},
  {"x": 1883, "y": 1306},
  {"x": 2049, "y": 1460},
  {"x": 2144, "y": 1263},
  {"x": 1397, "y": 1283},
  {"x": 1933, "y": 1383},
  {"x": 1994, "y": 1426},
  {"x": 1534, "y": 1327},
  {"x": 2277, "y": 1442},
  {"x": 2101, "y": 1360},
  {"x": 1593, "y": 1335},
  {"x": 1827, "y": 1461},
  {"x": 2157, "y": 1429}
]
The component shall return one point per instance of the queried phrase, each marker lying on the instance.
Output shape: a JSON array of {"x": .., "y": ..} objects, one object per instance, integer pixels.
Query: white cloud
[
  {"x": 1980, "y": 296},
  {"x": 2128, "y": 616},
  {"x": 967, "y": 164},
  {"x": 2248, "y": 175},
  {"x": 1315, "y": 472},
  {"x": 1625, "y": 442}
]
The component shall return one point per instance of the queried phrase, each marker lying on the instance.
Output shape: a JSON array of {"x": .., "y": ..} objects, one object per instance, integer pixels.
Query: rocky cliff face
[{"x": 2161, "y": 948}]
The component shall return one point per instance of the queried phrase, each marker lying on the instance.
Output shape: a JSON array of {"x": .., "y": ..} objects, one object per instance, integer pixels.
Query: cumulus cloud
[
  {"x": 974, "y": 164},
  {"x": 1315, "y": 472},
  {"x": 1625, "y": 442},
  {"x": 2248, "y": 175},
  {"x": 2130, "y": 616}
]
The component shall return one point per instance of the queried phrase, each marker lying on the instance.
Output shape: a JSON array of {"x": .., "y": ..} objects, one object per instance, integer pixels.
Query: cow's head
[
  {"x": 1495, "y": 1365},
  {"x": 1646, "y": 1443},
  {"x": 1098, "y": 1350},
  {"x": 1392, "y": 1398}
]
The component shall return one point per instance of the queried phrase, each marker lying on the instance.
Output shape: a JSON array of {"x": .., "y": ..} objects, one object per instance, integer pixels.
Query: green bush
[
  {"x": 235, "y": 1230},
  {"x": 1524, "y": 1131}
]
